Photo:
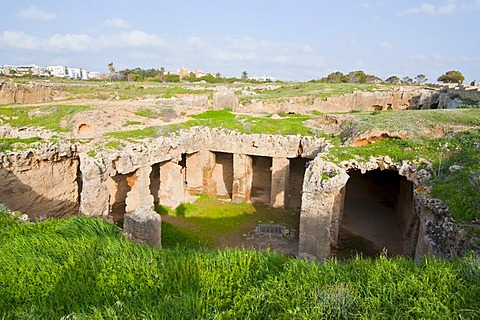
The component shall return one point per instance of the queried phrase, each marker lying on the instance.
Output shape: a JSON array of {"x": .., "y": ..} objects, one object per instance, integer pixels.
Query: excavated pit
[{"x": 378, "y": 206}]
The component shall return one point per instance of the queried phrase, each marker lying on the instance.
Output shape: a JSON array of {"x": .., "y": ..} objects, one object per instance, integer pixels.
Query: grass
[
  {"x": 225, "y": 119},
  {"x": 52, "y": 117},
  {"x": 126, "y": 90},
  {"x": 16, "y": 143},
  {"x": 132, "y": 135},
  {"x": 207, "y": 220},
  {"x": 82, "y": 268},
  {"x": 147, "y": 113},
  {"x": 311, "y": 91}
]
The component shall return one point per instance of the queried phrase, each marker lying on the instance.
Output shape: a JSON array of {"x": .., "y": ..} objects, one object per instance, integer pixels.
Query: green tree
[
  {"x": 244, "y": 75},
  {"x": 452, "y": 76},
  {"x": 407, "y": 80},
  {"x": 392, "y": 80},
  {"x": 111, "y": 70},
  {"x": 421, "y": 78},
  {"x": 357, "y": 77}
]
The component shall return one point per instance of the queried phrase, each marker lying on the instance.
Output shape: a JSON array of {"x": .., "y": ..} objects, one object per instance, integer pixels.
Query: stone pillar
[
  {"x": 280, "y": 178},
  {"x": 194, "y": 174},
  {"x": 207, "y": 165},
  {"x": 172, "y": 185},
  {"x": 94, "y": 198},
  {"x": 242, "y": 178},
  {"x": 321, "y": 199},
  {"x": 337, "y": 215},
  {"x": 139, "y": 194},
  {"x": 144, "y": 225}
]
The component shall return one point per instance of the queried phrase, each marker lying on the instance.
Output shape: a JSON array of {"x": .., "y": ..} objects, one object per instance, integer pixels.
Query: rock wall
[
  {"x": 25, "y": 93},
  {"x": 372, "y": 101},
  {"x": 44, "y": 183}
]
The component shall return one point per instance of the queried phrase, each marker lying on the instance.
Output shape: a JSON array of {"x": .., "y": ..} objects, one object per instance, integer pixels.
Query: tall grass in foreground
[{"x": 82, "y": 268}]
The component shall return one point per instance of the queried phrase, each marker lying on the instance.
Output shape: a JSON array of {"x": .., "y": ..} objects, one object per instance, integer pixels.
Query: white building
[
  {"x": 263, "y": 78},
  {"x": 57, "y": 71}
]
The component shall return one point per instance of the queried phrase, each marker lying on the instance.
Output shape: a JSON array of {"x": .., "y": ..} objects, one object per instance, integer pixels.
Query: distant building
[
  {"x": 183, "y": 72},
  {"x": 262, "y": 78},
  {"x": 58, "y": 71}
]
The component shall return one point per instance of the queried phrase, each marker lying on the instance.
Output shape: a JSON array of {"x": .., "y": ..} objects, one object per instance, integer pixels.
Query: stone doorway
[
  {"x": 119, "y": 186},
  {"x": 223, "y": 174},
  {"x": 295, "y": 183},
  {"x": 372, "y": 217},
  {"x": 261, "y": 179}
]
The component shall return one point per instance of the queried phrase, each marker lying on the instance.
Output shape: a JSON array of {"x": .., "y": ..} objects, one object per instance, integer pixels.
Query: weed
[{"x": 147, "y": 113}]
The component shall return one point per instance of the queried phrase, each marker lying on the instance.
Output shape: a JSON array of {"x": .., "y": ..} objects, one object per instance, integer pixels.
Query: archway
[{"x": 378, "y": 210}]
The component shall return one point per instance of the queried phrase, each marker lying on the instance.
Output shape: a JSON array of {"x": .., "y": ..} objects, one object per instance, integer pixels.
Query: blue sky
[{"x": 290, "y": 40}]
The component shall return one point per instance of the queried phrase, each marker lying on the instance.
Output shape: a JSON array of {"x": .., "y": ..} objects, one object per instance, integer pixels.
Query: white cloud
[
  {"x": 70, "y": 42},
  {"x": 116, "y": 23},
  {"x": 34, "y": 13},
  {"x": 423, "y": 8},
  {"x": 20, "y": 40},
  {"x": 447, "y": 8},
  {"x": 225, "y": 53},
  {"x": 386, "y": 45}
]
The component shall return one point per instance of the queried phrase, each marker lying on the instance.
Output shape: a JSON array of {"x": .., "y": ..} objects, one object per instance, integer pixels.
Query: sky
[{"x": 293, "y": 40}]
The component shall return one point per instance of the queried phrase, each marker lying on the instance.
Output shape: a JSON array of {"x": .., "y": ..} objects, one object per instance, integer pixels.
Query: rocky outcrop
[
  {"x": 25, "y": 93},
  {"x": 225, "y": 99},
  {"x": 41, "y": 183},
  {"x": 374, "y": 101}
]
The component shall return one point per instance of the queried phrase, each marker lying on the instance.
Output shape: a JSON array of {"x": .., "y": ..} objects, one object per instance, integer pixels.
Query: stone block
[{"x": 144, "y": 226}]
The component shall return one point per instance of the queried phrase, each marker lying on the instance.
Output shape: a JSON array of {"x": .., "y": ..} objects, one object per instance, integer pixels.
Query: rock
[
  {"x": 23, "y": 218},
  {"x": 25, "y": 93},
  {"x": 307, "y": 256},
  {"x": 144, "y": 226},
  {"x": 455, "y": 167},
  {"x": 225, "y": 100},
  {"x": 276, "y": 116}
]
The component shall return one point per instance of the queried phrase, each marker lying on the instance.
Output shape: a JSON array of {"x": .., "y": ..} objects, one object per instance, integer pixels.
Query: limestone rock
[
  {"x": 25, "y": 93},
  {"x": 225, "y": 100},
  {"x": 144, "y": 226}
]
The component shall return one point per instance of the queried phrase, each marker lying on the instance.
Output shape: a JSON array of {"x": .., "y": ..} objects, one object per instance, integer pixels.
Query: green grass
[
  {"x": 127, "y": 90},
  {"x": 82, "y": 268},
  {"x": 311, "y": 91},
  {"x": 132, "y": 123},
  {"x": 16, "y": 143},
  {"x": 415, "y": 121},
  {"x": 132, "y": 135},
  {"x": 208, "y": 219},
  {"x": 51, "y": 117},
  {"x": 225, "y": 119},
  {"x": 147, "y": 113}
]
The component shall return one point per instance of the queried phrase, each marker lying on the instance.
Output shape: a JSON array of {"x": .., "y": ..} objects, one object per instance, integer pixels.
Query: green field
[{"x": 82, "y": 268}]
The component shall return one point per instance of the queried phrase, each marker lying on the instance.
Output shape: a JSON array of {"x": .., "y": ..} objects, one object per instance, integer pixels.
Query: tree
[
  {"x": 421, "y": 78},
  {"x": 357, "y": 77},
  {"x": 392, "y": 80},
  {"x": 407, "y": 80},
  {"x": 111, "y": 69},
  {"x": 218, "y": 75},
  {"x": 244, "y": 75},
  {"x": 452, "y": 76}
]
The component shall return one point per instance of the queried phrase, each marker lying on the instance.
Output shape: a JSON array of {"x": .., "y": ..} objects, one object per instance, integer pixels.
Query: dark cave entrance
[
  {"x": 261, "y": 179},
  {"x": 378, "y": 214},
  {"x": 295, "y": 183}
]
